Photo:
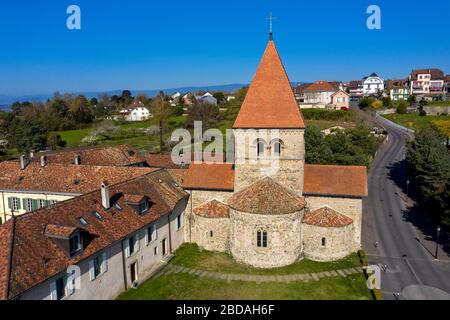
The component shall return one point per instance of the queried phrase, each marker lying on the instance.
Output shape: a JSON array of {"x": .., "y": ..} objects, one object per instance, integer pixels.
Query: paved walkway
[{"x": 287, "y": 278}]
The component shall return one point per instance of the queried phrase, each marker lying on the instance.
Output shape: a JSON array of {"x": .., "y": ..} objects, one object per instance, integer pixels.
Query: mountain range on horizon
[{"x": 6, "y": 101}]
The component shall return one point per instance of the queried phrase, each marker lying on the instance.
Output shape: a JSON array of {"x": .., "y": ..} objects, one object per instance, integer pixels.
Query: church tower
[{"x": 269, "y": 130}]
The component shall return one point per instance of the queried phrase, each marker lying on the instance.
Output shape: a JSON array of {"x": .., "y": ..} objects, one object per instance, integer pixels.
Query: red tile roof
[
  {"x": 6, "y": 243},
  {"x": 63, "y": 178},
  {"x": 36, "y": 258},
  {"x": 213, "y": 209},
  {"x": 267, "y": 197},
  {"x": 121, "y": 155},
  {"x": 209, "y": 177},
  {"x": 270, "y": 100},
  {"x": 331, "y": 180},
  {"x": 133, "y": 198},
  {"x": 57, "y": 231},
  {"x": 327, "y": 217},
  {"x": 436, "y": 74},
  {"x": 321, "y": 86}
]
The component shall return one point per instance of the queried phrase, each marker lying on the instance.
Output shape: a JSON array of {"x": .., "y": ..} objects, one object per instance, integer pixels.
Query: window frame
[
  {"x": 72, "y": 250},
  {"x": 262, "y": 239},
  {"x": 15, "y": 203}
]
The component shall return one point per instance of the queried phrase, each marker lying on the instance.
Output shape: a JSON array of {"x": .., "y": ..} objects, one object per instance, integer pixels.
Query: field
[
  {"x": 414, "y": 121},
  {"x": 175, "y": 286}
]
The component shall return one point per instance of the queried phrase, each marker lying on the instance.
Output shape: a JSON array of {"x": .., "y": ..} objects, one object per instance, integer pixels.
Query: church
[{"x": 269, "y": 209}]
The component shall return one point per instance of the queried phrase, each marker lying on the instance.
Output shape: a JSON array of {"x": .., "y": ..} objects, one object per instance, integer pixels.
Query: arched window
[
  {"x": 260, "y": 144},
  {"x": 324, "y": 242},
  {"x": 261, "y": 239},
  {"x": 277, "y": 146}
]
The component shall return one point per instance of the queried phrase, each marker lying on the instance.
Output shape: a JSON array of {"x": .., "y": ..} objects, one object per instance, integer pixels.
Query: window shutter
[
  {"x": 47, "y": 203},
  {"x": 24, "y": 202},
  {"x": 104, "y": 262},
  {"x": 147, "y": 240},
  {"x": 70, "y": 285},
  {"x": 35, "y": 204},
  {"x": 53, "y": 294},
  {"x": 18, "y": 204},
  {"x": 10, "y": 203},
  {"x": 91, "y": 270},
  {"x": 136, "y": 243},
  {"x": 127, "y": 248}
]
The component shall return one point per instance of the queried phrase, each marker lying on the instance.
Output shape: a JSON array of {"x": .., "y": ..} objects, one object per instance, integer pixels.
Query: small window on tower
[
  {"x": 260, "y": 147},
  {"x": 324, "y": 242}
]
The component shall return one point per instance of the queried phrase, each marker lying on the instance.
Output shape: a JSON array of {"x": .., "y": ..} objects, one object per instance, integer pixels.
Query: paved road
[{"x": 408, "y": 262}]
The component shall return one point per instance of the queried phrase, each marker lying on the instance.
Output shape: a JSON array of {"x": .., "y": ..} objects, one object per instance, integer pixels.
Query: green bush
[{"x": 322, "y": 114}]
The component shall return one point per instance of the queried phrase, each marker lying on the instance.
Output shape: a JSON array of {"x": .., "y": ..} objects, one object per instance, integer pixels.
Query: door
[{"x": 133, "y": 272}]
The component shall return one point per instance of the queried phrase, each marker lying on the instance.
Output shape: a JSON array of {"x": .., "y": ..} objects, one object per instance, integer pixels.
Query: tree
[
  {"x": 387, "y": 102},
  {"x": 428, "y": 166},
  {"x": 204, "y": 112},
  {"x": 26, "y": 136},
  {"x": 402, "y": 107},
  {"x": 54, "y": 141},
  {"x": 219, "y": 96}
]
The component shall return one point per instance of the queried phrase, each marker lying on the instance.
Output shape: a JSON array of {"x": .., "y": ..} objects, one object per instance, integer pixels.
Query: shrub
[
  {"x": 322, "y": 114},
  {"x": 401, "y": 107},
  {"x": 377, "y": 104}
]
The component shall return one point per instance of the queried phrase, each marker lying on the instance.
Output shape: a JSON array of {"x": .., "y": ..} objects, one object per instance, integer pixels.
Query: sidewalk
[{"x": 286, "y": 278}]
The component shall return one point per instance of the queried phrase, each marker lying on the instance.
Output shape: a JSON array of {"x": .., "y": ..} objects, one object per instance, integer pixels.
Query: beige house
[{"x": 340, "y": 100}]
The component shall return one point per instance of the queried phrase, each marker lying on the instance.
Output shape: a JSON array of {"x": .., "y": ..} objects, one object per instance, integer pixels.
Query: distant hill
[{"x": 6, "y": 101}]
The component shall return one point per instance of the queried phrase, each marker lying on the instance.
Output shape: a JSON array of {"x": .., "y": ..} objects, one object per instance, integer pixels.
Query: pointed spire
[{"x": 270, "y": 102}]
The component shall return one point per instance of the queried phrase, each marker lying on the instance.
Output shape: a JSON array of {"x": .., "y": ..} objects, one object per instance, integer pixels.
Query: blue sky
[{"x": 147, "y": 44}]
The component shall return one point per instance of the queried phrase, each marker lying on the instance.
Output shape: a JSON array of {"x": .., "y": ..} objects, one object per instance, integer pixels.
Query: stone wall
[
  {"x": 350, "y": 207},
  {"x": 284, "y": 239},
  {"x": 196, "y": 199},
  {"x": 338, "y": 242},
  {"x": 438, "y": 110},
  {"x": 201, "y": 233},
  {"x": 287, "y": 169}
]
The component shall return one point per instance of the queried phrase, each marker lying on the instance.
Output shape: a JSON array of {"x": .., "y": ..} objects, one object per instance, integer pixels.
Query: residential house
[
  {"x": 94, "y": 246},
  {"x": 373, "y": 85},
  {"x": 355, "y": 88},
  {"x": 319, "y": 92},
  {"x": 398, "y": 89},
  {"x": 137, "y": 111},
  {"x": 427, "y": 83},
  {"x": 299, "y": 92},
  {"x": 206, "y": 98},
  {"x": 340, "y": 100}
]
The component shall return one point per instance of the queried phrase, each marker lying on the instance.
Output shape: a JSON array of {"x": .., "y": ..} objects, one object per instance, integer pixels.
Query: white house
[
  {"x": 136, "y": 112},
  {"x": 373, "y": 84}
]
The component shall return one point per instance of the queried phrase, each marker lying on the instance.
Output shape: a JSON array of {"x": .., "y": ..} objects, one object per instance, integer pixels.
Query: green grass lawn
[
  {"x": 413, "y": 120},
  {"x": 190, "y": 256},
  {"x": 191, "y": 287},
  {"x": 180, "y": 286}
]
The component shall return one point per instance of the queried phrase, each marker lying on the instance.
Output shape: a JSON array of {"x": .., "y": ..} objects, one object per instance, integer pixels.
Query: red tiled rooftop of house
[
  {"x": 35, "y": 257},
  {"x": 121, "y": 155},
  {"x": 328, "y": 218},
  {"x": 321, "y": 86},
  {"x": 58, "y": 231},
  {"x": 270, "y": 100},
  {"x": 334, "y": 180},
  {"x": 64, "y": 178},
  {"x": 209, "y": 177},
  {"x": 213, "y": 209}
]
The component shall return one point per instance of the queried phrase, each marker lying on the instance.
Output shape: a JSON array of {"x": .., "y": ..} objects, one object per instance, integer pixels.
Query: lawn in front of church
[{"x": 183, "y": 286}]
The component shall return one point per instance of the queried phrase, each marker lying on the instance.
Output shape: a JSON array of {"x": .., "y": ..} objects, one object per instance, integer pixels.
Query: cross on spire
[{"x": 271, "y": 18}]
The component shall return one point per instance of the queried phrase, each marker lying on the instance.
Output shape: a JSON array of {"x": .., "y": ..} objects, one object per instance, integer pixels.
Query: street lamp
[
  {"x": 437, "y": 241},
  {"x": 407, "y": 188}
]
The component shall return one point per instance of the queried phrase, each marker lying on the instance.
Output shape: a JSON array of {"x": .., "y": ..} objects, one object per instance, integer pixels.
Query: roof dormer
[
  {"x": 140, "y": 203},
  {"x": 68, "y": 239}
]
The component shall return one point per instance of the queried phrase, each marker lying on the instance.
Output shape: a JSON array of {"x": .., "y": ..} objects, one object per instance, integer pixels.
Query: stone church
[{"x": 269, "y": 209}]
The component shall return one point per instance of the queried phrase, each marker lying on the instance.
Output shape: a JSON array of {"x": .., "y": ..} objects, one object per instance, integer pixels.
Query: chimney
[
  {"x": 77, "y": 159},
  {"x": 23, "y": 162},
  {"x": 43, "y": 161},
  {"x": 105, "y": 195}
]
